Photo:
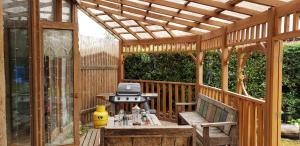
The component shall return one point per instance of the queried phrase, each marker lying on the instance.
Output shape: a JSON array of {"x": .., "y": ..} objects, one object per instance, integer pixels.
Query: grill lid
[{"x": 129, "y": 89}]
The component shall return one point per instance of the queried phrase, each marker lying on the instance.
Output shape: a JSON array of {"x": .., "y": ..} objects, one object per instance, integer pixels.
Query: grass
[{"x": 288, "y": 142}]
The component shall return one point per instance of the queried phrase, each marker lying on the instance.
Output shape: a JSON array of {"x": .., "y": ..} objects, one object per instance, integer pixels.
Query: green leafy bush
[
  {"x": 291, "y": 82},
  {"x": 212, "y": 69},
  {"x": 161, "y": 67}
]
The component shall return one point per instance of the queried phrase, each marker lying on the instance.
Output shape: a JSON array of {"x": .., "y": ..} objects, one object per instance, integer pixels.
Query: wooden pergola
[{"x": 192, "y": 26}]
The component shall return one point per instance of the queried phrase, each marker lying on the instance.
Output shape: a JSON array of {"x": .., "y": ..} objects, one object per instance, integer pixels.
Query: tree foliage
[{"x": 291, "y": 82}]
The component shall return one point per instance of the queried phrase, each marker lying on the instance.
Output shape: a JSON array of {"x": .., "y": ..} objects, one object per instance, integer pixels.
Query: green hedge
[{"x": 162, "y": 67}]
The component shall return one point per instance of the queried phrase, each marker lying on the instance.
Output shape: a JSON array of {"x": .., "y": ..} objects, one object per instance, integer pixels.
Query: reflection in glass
[
  {"x": 47, "y": 10},
  {"x": 66, "y": 11},
  {"x": 17, "y": 72},
  {"x": 58, "y": 86}
]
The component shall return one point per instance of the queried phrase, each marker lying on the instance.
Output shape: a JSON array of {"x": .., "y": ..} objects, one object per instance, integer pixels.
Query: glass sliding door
[
  {"x": 17, "y": 72},
  {"x": 58, "y": 86}
]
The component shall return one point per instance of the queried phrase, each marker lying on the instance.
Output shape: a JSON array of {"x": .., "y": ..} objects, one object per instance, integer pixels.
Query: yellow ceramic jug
[{"x": 100, "y": 116}]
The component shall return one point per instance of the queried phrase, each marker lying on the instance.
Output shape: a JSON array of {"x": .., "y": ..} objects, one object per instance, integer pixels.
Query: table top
[{"x": 153, "y": 121}]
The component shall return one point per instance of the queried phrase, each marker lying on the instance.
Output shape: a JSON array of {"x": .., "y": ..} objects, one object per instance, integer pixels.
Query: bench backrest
[
  {"x": 148, "y": 136},
  {"x": 215, "y": 111}
]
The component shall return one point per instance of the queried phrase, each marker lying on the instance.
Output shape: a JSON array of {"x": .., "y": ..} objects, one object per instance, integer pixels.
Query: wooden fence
[{"x": 99, "y": 60}]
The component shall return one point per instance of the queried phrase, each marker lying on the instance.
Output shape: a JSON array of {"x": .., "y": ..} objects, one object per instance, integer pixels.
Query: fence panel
[{"x": 98, "y": 72}]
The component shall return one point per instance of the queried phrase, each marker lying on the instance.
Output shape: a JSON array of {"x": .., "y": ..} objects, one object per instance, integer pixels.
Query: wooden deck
[{"x": 91, "y": 138}]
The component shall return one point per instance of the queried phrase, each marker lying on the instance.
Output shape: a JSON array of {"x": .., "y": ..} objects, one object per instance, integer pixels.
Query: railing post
[
  {"x": 2, "y": 87},
  {"x": 199, "y": 67},
  {"x": 272, "y": 110},
  {"x": 121, "y": 63},
  {"x": 239, "y": 73},
  {"x": 225, "y": 62}
]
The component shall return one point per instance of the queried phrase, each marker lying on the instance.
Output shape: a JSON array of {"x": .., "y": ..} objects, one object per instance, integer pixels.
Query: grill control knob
[
  {"x": 135, "y": 98},
  {"x": 118, "y": 98},
  {"x": 127, "y": 98}
]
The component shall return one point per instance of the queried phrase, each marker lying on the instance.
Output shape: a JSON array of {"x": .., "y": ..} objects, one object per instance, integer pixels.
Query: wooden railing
[
  {"x": 212, "y": 92},
  {"x": 169, "y": 93},
  {"x": 251, "y": 115}
]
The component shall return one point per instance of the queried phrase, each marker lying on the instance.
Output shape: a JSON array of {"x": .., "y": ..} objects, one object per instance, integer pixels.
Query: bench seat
[
  {"x": 193, "y": 118},
  {"x": 215, "y": 122}
]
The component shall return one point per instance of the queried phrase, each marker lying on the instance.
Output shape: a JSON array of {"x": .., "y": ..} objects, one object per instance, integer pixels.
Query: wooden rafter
[
  {"x": 194, "y": 10},
  {"x": 178, "y": 11},
  {"x": 273, "y": 3},
  {"x": 233, "y": 2},
  {"x": 153, "y": 15},
  {"x": 170, "y": 13},
  {"x": 147, "y": 10},
  {"x": 169, "y": 32},
  {"x": 146, "y": 29},
  {"x": 123, "y": 25},
  {"x": 99, "y": 21},
  {"x": 130, "y": 16},
  {"x": 226, "y": 6},
  {"x": 230, "y": 3}
]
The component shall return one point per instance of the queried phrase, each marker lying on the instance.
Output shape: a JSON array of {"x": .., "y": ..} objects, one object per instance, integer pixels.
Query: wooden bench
[
  {"x": 148, "y": 136},
  {"x": 215, "y": 122}
]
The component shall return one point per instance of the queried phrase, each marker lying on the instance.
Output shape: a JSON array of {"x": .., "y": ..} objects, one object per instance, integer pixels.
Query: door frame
[
  {"x": 3, "y": 137},
  {"x": 37, "y": 61},
  {"x": 76, "y": 56}
]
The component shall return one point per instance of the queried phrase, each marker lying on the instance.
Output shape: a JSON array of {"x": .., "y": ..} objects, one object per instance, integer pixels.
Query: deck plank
[
  {"x": 87, "y": 139},
  {"x": 93, "y": 137},
  {"x": 82, "y": 139},
  {"x": 97, "y": 140}
]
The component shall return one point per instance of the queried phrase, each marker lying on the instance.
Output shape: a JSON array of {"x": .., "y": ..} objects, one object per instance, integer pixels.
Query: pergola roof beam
[
  {"x": 88, "y": 5},
  {"x": 194, "y": 10},
  {"x": 273, "y": 3},
  {"x": 124, "y": 26},
  {"x": 154, "y": 15},
  {"x": 169, "y": 32},
  {"x": 146, "y": 29},
  {"x": 168, "y": 12},
  {"x": 226, "y": 6}
]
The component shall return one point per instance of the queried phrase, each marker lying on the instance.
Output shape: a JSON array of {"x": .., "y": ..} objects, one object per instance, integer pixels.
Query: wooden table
[{"x": 152, "y": 118}]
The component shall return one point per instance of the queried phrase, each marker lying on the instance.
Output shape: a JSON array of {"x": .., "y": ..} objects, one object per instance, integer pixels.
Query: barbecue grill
[{"x": 131, "y": 93}]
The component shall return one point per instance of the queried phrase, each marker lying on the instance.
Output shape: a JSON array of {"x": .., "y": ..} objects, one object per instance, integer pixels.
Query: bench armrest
[
  {"x": 216, "y": 124},
  {"x": 185, "y": 103}
]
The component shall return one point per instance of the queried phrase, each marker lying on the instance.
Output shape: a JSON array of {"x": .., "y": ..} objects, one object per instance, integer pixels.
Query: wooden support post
[
  {"x": 36, "y": 84},
  {"x": 121, "y": 63},
  {"x": 239, "y": 73},
  {"x": 3, "y": 138},
  {"x": 225, "y": 63},
  {"x": 199, "y": 66},
  {"x": 274, "y": 84},
  {"x": 77, "y": 82}
]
